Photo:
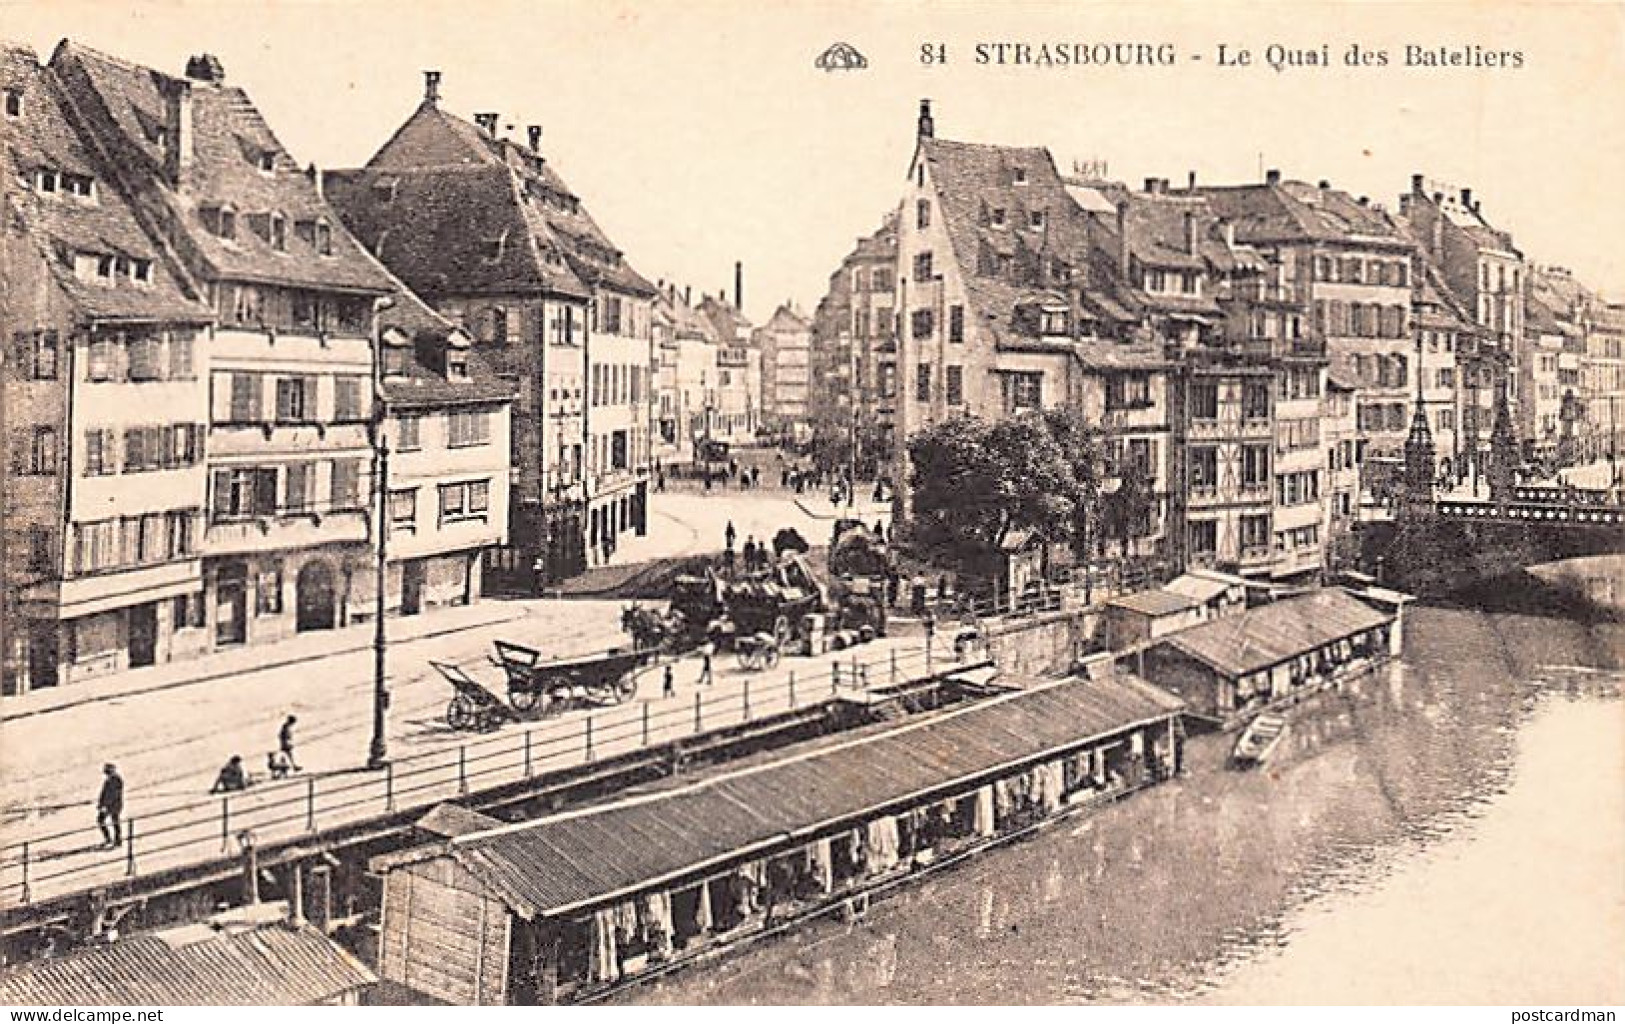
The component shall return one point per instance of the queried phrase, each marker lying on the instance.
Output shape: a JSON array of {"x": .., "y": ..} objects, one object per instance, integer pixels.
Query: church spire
[{"x": 1419, "y": 451}]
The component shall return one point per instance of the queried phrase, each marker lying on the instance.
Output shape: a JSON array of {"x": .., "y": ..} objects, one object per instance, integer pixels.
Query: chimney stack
[
  {"x": 205, "y": 67},
  {"x": 1418, "y": 185},
  {"x": 431, "y": 87},
  {"x": 1467, "y": 198},
  {"x": 488, "y": 122},
  {"x": 739, "y": 286},
  {"x": 927, "y": 127},
  {"x": 534, "y": 133},
  {"x": 1151, "y": 186},
  {"x": 1272, "y": 177},
  {"x": 1190, "y": 181},
  {"x": 1122, "y": 239},
  {"x": 1325, "y": 186},
  {"x": 177, "y": 127},
  {"x": 688, "y": 295}
]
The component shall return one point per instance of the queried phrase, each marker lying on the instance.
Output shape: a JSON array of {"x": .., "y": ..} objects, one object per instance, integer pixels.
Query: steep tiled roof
[
  {"x": 977, "y": 182},
  {"x": 63, "y": 224},
  {"x": 126, "y": 105},
  {"x": 1295, "y": 211},
  {"x": 411, "y": 323},
  {"x": 787, "y": 320},
  {"x": 252, "y": 962},
  {"x": 566, "y": 236},
  {"x": 454, "y": 230}
]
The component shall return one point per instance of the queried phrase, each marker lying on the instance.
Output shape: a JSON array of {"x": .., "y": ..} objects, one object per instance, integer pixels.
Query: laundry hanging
[{"x": 603, "y": 958}]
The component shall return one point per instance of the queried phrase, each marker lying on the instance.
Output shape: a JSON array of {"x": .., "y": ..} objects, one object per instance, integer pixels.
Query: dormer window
[
  {"x": 495, "y": 247},
  {"x": 104, "y": 267},
  {"x": 14, "y": 102},
  {"x": 46, "y": 180},
  {"x": 1018, "y": 176},
  {"x": 1054, "y": 322},
  {"x": 456, "y": 364},
  {"x": 141, "y": 271},
  {"x": 267, "y": 162},
  {"x": 81, "y": 185},
  {"x": 384, "y": 191},
  {"x": 279, "y": 232},
  {"x": 998, "y": 216},
  {"x": 324, "y": 238},
  {"x": 228, "y": 223}
]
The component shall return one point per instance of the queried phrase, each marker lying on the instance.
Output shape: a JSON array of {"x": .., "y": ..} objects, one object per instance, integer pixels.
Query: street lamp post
[{"x": 378, "y": 750}]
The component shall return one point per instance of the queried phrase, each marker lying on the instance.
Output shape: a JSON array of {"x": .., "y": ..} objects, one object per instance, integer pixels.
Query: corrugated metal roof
[
  {"x": 1154, "y": 602},
  {"x": 1270, "y": 634},
  {"x": 264, "y": 964},
  {"x": 573, "y": 860}
]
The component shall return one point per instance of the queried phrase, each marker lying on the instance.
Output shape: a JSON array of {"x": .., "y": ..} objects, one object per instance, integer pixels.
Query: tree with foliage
[{"x": 974, "y": 482}]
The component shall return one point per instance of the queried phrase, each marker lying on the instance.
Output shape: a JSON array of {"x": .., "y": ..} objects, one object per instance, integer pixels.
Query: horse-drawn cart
[
  {"x": 757, "y": 651},
  {"x": 538, "y": 687}
]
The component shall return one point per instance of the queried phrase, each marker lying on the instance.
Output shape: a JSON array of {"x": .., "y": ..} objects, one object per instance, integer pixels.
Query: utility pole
[{"x": 378, "y": 750}]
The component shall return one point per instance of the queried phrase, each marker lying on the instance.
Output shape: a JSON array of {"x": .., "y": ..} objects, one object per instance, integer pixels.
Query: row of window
[
  {"x": 1300, "y": 488},
  {"x": 1255, "y": 535},
  {"x": 1295, "y": 435},
  {"x": 619, "y": 384},
  {"x": 877, "y": 279},
  {"x": 297, "y": 310},
  {"x": 146, "y": 448},
  {"x": 1378, "y": 370},
  {"x": 245, "y": 492},
  {"x": 1339, "y": 319},
  {"x": 270, "y": 227},
  {"x": 1394, "y": 273},
  {"x": 499, "y": 325},
  {"x": 295, "y": 398},
  {"x": 127, "y": 542},
  {"x": 1382, "y": 416},
  {"x": 50, "y": 181},
  {"x": 953, "y": 384},
  {"x": 462, "y": 501},
  {"x": 1171, "y": 282},
  {"x": 1204, "y": 401},
  {"x": 1203, "y": 468}
]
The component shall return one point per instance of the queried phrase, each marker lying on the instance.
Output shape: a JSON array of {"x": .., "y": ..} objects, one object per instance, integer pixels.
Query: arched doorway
[{"x": 313, "y": 595}]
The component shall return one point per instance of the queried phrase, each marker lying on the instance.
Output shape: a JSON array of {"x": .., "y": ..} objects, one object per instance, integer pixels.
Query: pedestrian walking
[
  {"x": 705, "y": 665},
  {"x": 110, "y": 806},
  {"x": 668, "y": 685},
  {"x": 728, "y": 535},
  {"x": 284, "y": 742},
  {"x": 750, "y": 553}
]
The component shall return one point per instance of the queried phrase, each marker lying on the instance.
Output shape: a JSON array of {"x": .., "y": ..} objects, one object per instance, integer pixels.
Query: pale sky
[{"x": 699, "y": 132}]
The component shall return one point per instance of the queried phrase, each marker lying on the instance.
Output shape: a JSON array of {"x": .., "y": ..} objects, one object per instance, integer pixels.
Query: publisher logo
[{"x": 841, "y": 57}]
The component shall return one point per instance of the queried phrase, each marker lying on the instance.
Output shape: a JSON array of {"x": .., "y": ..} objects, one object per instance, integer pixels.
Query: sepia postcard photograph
[{"x": 836, "y": 502}]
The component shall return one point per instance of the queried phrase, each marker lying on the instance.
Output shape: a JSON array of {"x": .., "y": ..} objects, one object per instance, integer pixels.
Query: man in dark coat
[
  {"x": 284, "y": 742},
  {"x": 110, "y": 805}
]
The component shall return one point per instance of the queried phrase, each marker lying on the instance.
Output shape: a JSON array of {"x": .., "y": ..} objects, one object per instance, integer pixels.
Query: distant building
[
  {"x": 489, "y": 234},
  {"x": 785, "y": 344},
  {"x": 854, "y": 350},
  {"x": 1484, "y": 271}
]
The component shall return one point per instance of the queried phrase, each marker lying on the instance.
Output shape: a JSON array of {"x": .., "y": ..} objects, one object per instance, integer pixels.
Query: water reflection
[{"x": 1227, "y": 886}]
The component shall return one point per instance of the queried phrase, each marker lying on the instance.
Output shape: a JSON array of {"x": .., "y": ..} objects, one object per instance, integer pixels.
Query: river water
[{"x": 1448, "y": 830}]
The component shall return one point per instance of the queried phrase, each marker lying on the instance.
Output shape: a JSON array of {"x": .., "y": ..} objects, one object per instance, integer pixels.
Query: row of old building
[
  {"x": 1260, "y": 351},
  {"x": 207, "y": 347}
]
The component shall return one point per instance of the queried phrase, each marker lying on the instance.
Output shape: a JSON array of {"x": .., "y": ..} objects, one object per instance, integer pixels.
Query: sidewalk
[
  {"x": 819, "y": 508},
  {"x": 294, "y": 650}
]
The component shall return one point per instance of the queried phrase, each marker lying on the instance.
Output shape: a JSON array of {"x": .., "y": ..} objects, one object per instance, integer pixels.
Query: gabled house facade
[
  {"x": 489, "y": 234},
  {"x": 290, "y": 355},
  {"x": 105, "y": 409}
]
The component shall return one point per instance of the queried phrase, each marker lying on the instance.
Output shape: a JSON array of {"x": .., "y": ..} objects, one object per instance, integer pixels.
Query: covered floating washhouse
[
  {"x": 569, "y": 906},
  {"x": 1232, "y": 668}
]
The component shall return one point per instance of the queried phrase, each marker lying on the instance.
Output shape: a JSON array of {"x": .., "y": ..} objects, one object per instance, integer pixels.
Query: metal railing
[{"x": 210, "y": 828}]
